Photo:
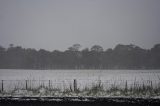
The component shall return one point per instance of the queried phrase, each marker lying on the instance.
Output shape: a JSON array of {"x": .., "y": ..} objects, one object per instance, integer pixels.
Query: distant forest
[{"x": 120, "y": 57}]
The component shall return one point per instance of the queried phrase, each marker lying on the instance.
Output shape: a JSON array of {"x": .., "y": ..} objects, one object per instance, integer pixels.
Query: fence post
[
  {"x": 2, "y": 85},
  {"x": 151, "y": 85},
  {"x": 26, "y": 85},
  {"x": 49, "y": 84},
  {"x": 75, "y": 85},
  {"x": 126, "y": 86}
]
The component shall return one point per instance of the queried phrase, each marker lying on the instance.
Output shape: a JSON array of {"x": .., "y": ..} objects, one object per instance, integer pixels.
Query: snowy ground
[
  {"x": 14, "y": 74},
  {"x": 62, "y": 83}
]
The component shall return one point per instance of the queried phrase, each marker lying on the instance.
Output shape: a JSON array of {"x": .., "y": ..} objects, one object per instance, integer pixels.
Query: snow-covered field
[
  {"x": 20, "y": 74},
  {"x": 39, "y": 80},
  {"x": 83, "y": 77}
]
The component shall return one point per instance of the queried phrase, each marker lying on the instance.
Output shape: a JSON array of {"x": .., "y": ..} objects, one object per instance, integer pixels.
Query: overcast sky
[{"x": 58, "y": 24}]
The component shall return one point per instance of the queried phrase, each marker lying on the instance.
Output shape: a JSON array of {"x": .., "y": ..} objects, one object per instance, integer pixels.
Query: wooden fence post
[
  {"x": 151, "y": 84},
  {"x": 75, "y": 85},
  {"x": 126, "y": 86},
  {"x": 2, "y": 86},
  {"x": 49, "y": 84},
  {"x": 26, "y": 85}
]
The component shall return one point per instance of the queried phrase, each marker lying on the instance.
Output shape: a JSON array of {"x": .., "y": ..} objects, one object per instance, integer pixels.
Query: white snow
[{"x": 63, "y": 79}]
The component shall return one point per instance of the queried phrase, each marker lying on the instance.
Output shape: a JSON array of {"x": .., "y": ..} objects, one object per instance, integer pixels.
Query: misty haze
[{"x": 79, "y": 52}]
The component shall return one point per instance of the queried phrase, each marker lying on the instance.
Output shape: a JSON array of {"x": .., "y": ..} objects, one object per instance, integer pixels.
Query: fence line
[{"x": 74, "y": 84}]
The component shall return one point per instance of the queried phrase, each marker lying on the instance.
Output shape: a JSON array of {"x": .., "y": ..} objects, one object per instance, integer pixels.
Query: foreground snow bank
[{"x": 95, "y": 91}]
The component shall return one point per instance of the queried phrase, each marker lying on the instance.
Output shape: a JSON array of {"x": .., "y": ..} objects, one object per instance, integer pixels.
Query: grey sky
[{"x": 57, "y": 24}]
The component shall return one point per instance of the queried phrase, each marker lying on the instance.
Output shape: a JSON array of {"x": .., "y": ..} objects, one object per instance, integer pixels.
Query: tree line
[{"x": 120, "y": 57}]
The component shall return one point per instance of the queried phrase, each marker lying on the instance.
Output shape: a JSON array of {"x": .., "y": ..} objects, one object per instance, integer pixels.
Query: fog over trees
[{"x": 120, "y": 57}]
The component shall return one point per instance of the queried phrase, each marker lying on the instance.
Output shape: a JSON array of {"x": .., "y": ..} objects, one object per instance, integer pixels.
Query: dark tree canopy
[
  {"x": 120, "y": 57},
  {"x": 75, "y": 47},
  {"x": 96, "y": 48}
]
